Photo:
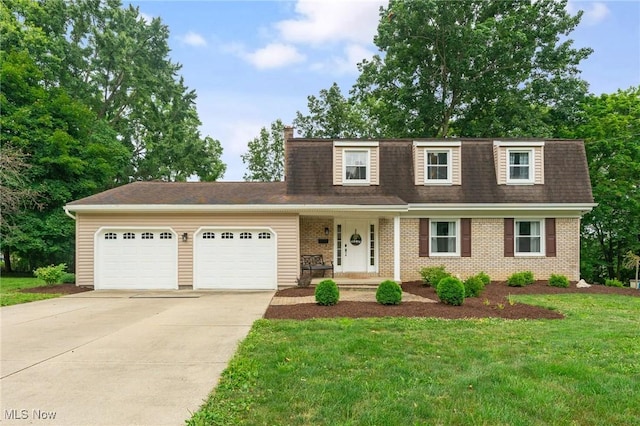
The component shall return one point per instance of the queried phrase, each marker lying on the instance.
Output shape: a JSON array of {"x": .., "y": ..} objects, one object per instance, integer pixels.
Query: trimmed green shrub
[
  {"x": 520, "y": 279},
  {"x": 473, "y": 286},
  {"x": 327, "y": 293},
  {"x": 432, "y": 275},
  {"x": 558, "y": 281},
  {"x": 389, "y": 293},
  {"x": 613, "y": 283},
  {"x": 486, "y": 280},
  {"x": 68, "y": 278},
  {"x": 51, "y": 274},
  {"x": 451, "y": 291}
]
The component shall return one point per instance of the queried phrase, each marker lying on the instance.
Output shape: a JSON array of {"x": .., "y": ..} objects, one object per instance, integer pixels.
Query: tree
[
  {"x": 471, "y": 68},
  {"x": 611, "y": 127},
  {"x": 265, "y": 158},
  {"x": 331, "y": 115}
]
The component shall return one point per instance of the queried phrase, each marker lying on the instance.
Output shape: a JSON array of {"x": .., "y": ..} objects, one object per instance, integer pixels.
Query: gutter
[{"x": 68, "y": 213}]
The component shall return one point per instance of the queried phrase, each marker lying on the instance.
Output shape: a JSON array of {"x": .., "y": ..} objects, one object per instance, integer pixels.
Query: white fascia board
[
  {"x": 436, "y": 144},
  {"x": 358, "y": 144},
  {"x": 519, "y": 144},
  {"x": 223, "y": 208},
  {"x": 502, "y": 210}
]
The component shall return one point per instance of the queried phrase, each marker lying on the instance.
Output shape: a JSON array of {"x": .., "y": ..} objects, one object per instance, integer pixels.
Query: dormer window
[
  {"x": 438, "y": 166},
  {"x": 356, "y": 166},
  {"x": 355, "y": 163},
  {"x": 520, "y": 169}
]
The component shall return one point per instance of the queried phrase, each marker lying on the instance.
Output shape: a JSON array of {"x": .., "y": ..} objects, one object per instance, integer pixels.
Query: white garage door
[
  {"x": 136, "y": 259},
  {"x": 235, "y": 259}
]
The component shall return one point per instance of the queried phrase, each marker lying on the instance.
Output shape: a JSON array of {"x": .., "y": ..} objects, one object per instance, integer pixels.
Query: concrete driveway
[{"x": 119, "y": 358}]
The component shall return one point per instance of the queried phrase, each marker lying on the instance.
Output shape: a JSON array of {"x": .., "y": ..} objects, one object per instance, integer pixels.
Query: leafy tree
[
  {"x": 471, "y": 68},
  {"x": 265, "y": 157},
  {"x": 611, "y": 129},
  {"x": 331, "y": 115}
]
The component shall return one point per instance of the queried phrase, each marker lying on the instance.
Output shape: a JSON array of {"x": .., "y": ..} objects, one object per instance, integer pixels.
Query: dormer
[
  {"x": 355, "y": 163},
  {"x": 519, "y": 162},
  {"x": 437, "y": 163}
]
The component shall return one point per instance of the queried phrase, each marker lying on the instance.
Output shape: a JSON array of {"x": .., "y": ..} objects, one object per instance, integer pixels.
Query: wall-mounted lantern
[
  {"x": 326, "y": 231},
  {"x": 185, "y": 237}
]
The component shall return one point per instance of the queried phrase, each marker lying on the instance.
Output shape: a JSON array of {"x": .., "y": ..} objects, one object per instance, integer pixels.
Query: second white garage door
[{"x": 242, "y": 259}]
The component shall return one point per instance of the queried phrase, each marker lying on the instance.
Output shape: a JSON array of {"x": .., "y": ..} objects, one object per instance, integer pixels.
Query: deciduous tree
[{"x": 265, "y": 155}]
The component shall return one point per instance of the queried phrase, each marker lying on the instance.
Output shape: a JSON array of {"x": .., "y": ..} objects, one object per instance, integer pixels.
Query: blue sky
[{"x": 252, "y": 62}]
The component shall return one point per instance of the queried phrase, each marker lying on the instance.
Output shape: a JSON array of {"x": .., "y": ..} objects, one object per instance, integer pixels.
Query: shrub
[
  {"x": 327, "y": 293},
  {"x": 613, "y": 283},
  {"x": 473, "y": 286},
  {"x": 68, "y": 278},
  {"x": 51, "y": 274},
  {"x": 389, "y": 293},
  {"x": 451, "y": 291},
  {"x": 520, "y": 279},
  {"x": 486, "y": 280},
  {"x": 558, "y": 281},
  {"x": 432, "y": 275}
]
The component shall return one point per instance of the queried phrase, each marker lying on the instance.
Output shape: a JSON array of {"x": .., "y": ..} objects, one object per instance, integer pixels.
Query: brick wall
[
  {"x": 487, "y": 252},
  {"x": 312, "y": 229},
  {"x": 385, "y": 247}
]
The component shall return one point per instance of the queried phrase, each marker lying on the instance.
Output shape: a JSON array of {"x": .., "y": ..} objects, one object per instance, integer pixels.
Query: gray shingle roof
[{"x": 309, "y": 180}]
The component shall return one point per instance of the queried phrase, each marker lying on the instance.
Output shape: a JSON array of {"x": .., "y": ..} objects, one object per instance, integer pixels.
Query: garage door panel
[
  {"x": 136, "y": 262},
  {"x": 244, "y": 261}
]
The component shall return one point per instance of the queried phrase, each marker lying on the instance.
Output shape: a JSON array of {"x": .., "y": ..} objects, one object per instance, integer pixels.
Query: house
[{"x": 376, "y": 208}]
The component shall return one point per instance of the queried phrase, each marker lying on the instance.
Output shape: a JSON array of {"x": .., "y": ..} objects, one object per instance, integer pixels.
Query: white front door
[{"x": 355, "y": 242}]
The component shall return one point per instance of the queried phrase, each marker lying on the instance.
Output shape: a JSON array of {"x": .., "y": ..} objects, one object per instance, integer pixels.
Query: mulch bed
[
  {"x": 492, "y": 303},
  {"x": 57, "y": 289}
]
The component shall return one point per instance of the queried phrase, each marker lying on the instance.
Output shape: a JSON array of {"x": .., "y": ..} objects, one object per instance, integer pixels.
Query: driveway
[{"x": 119, "y": 358}]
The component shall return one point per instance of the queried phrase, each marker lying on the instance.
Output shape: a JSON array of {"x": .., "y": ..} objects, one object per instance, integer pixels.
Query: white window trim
[
  {"x": 458, "y": 238},
  {"x": 446, "y": 181},
  {"x": 347, "y": 182},
  {"x": 532, "y": 162},
  {"x": 543, "y": 238}
]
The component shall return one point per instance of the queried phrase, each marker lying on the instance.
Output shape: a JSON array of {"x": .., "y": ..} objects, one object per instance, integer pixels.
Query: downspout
[{"x": 66, "y": 211}]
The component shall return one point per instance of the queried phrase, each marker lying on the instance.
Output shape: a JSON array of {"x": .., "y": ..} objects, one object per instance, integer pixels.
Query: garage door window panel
[{"x": 129, "y": 236}]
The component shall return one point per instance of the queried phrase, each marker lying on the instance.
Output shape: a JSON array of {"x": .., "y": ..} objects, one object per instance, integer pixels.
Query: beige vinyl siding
[
  {"x": 374, "y": 167},
  {"x": 500, "y": 158},
  {"x": 420, "y": 160},
  {"x": 285, "y": 227}
]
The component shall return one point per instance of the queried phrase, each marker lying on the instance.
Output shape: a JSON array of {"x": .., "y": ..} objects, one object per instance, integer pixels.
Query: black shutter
[
  {"x": 550, "y": 236},
  {"x": 465, "y": 244},
  {"x": 508, "y": 237},
  {"x": 423, "y": 250}
]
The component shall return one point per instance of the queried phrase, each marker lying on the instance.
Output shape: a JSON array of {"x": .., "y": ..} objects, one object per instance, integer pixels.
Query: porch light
[
  {"x": 185, "y": 237},
  {"x": 326, "y": 230}
]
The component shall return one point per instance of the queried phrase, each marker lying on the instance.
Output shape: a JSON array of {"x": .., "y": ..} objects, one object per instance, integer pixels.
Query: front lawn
[
  {"x": 583, "y": 369},
  {"x": 10, "y": 290}
]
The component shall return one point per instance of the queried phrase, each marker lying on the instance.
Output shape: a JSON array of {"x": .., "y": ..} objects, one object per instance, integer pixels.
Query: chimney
[{"x": 288, "y": 134}]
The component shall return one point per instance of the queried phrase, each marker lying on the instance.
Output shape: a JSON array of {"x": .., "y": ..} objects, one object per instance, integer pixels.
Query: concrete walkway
[
  {"x": 119, "y": 358},
  {"x": 360, "y": 295}
]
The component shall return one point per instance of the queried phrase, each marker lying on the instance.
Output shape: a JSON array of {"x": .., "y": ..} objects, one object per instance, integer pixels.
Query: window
[
  {"x": 520, "y": 168},
  {"x": 208, "y": 235},
  {"x": 339, "y": 245},
  {"x": 245, "y": 235},
  {"x": 264, "y": 236},
  {"x": 437, "y": 166},
  {"x": 147, "y": 236},
  {"x": 227, "y": 235},
  {"x": 356, "y": 166},
  {"x": 110, "y": 236},
  {"x": 129, "y": 236},
  {"x": 444, "y": 238},
  {"x": 528, "y": 237},
  {"x": 372, "y": 245},
  {"x": 166, "y": 235}
]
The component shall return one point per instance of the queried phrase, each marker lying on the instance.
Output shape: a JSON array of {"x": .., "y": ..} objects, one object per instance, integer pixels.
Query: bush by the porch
[
  {"x": 389, "y": 293},
  {"x": 451, "y": 291},
  {"x": 327, "y": 293}
]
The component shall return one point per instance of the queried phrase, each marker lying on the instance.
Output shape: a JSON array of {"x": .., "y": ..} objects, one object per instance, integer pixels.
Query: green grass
[
  {"x": 10, "y": 286},
  {"x": 583, "y": 370}
]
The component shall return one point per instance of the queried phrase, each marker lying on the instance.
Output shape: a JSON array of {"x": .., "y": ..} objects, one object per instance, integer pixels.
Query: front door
[{"x": 354, "y": 245}]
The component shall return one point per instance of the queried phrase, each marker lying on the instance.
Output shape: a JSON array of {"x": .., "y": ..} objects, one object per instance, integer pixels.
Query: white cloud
[
  {"x": 594, "y": 12},
  {"x": 144, "y": 17},
  {"x": 331, "y": 21},
  {"x": 273, "y": 55},
  {"x": 193, "y": 39},
  {"x": 345, "y": 64}
]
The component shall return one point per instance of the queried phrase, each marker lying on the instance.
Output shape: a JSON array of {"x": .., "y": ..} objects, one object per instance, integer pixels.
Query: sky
[{"x": 252, "y": 62}]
